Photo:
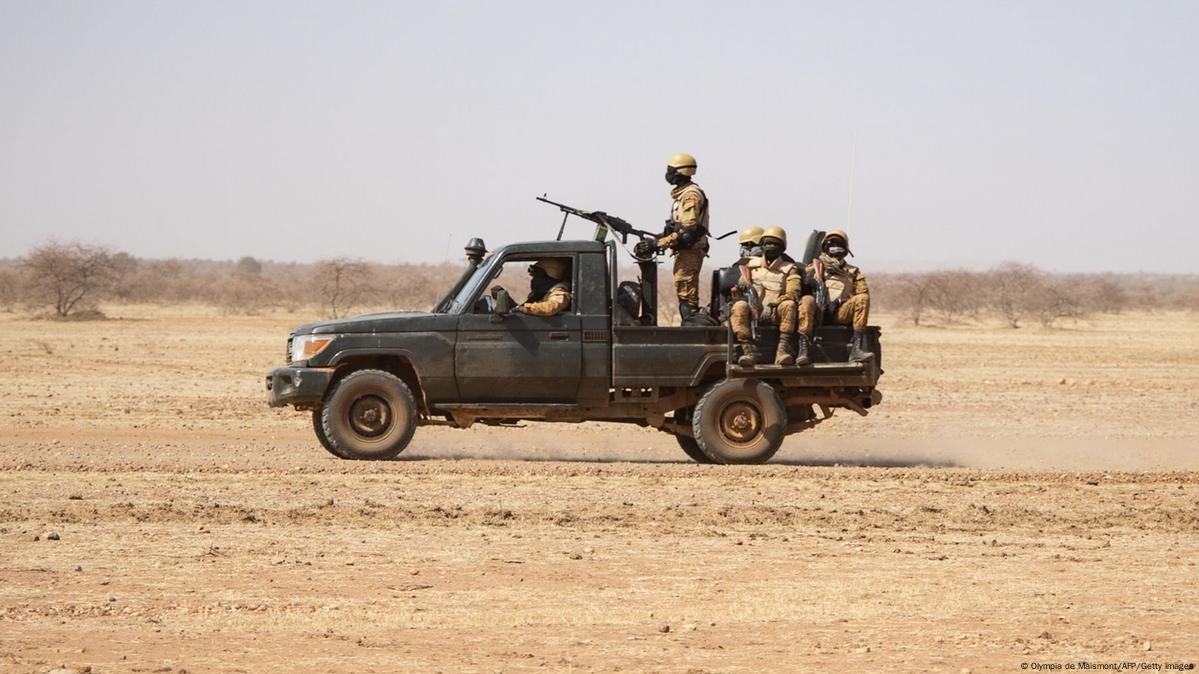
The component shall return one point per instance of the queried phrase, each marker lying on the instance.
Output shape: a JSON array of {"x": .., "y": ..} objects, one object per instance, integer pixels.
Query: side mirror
[{"x": 501, "y": 304}]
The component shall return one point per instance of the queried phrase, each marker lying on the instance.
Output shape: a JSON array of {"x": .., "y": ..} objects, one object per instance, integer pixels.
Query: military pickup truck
[{"x": 371, "y": 381}]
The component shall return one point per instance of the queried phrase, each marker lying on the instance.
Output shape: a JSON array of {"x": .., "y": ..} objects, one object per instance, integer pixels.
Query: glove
[
  {"x": 743, "y": 285},
  {"x": 520, "y": 310}
]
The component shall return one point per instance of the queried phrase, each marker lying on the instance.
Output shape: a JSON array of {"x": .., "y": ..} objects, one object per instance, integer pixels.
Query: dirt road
[{"x": 1020, "y": 497}]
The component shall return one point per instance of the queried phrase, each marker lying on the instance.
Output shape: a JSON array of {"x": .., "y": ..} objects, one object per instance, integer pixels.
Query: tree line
[{"x": 69, "y": 279}]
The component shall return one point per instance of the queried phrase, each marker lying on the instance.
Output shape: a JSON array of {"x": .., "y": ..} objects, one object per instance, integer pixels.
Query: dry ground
[{"x": 1023, "y": 496}]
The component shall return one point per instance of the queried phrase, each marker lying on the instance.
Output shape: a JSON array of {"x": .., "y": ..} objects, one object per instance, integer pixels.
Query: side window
[{"x": 517, "y": 276}]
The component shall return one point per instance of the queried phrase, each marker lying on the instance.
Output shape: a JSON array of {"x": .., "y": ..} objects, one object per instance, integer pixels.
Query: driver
[{"x": 549, "y": 288}]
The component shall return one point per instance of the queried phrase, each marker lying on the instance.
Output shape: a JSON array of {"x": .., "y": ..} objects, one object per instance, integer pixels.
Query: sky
[{"x": 958, "y": 133}]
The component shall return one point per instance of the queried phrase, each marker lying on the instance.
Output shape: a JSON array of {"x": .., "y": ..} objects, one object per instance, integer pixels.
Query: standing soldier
[
  {"x": 848, "y": 296},
  {"x": 778, "y": 285},
  {"x": 686, "y": 232}
]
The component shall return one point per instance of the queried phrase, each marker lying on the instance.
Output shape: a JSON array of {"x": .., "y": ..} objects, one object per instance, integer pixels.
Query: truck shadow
[{"x": 819, "y": 461}]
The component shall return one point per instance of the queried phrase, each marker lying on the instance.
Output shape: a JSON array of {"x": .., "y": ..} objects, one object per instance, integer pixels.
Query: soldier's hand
[
  {"x": 744, "y": 286},
  {"x": 520, "y": 310},
  {"x": 662, "y": 243}
]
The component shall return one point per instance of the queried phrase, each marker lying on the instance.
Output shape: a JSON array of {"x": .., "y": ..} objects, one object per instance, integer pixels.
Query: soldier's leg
[
  {"x": 740, "y": 317},
  {"x": 687, "y": 265},
  {"x": 855, "y": 312},
  {"x": 786, "y": 317},
  {"x": 806, "y": 318}
]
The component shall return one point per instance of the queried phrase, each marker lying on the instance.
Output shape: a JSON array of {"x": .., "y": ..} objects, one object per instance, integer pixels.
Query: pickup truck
[{"x": 370, "y": 381}]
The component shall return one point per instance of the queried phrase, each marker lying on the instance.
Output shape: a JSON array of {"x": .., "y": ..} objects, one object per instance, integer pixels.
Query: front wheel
[
  {"x": 318, "y": 427},
  {"x": 370, "y": 415},
  {"x": 740, "y": 421}
]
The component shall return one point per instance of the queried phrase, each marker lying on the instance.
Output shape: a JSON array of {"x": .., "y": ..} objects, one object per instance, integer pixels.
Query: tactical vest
[{"x": 770, "y": 280}]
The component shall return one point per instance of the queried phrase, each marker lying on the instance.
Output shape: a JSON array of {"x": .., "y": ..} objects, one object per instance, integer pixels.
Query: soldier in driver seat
[{"x": 549, "y": 288}]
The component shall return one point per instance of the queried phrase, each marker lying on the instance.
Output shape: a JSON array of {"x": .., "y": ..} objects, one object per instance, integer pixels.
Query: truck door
[{"x": 521, "y": 358}]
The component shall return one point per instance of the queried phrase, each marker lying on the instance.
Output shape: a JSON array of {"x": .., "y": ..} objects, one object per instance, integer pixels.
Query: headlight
[{"x": 307, "y": 346}]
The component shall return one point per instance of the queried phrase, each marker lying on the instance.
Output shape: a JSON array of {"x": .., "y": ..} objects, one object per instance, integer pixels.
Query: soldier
[
  {"x": 778, "y": 286},
  {"x": 847, "y": 292},
  {"x": 549, "y": 288},
  {"x": 751, "y": 243},
  {"x": 686, "y": 232}
]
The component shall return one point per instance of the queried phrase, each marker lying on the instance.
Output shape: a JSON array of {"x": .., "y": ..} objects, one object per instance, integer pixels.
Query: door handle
[{"x": 560, "y": 336}]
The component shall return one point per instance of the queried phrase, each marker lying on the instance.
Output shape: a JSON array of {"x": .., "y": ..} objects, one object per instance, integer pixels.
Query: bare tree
[
  {"x": 342, "y": 284},
  {"x": 1010, "y": 286},
  {"x": 70, "y": 275}
]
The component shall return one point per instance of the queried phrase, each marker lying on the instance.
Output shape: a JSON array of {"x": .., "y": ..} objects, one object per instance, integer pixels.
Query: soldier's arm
[
  {"x": 688, "y": 218},
  {"x": 793, "y": 285},
  {"x": 555, "y": 303},
  {"x": 860, "y": 287}
]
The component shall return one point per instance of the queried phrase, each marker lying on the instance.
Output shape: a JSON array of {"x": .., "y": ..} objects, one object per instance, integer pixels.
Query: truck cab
[{"x": 371, "y": 381}]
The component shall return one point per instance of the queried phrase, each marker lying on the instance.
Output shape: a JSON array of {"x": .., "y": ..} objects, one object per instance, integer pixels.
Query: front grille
[{"x": 288, "y": 358}]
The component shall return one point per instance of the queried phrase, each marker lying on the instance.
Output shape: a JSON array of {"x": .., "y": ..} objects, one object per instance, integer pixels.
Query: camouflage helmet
[
  {"x": 554, "y": 267},
  {"x": 750, "y": 235},
  {"x": 836, "y": 233},
  {"x": 776, "y": 232},
  {"x": 683, "y": 163}
]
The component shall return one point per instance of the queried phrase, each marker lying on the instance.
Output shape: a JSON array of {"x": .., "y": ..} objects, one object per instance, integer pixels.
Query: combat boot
[
  {"x": 801, "y": 353},
  {"x": 687, "y": 310},
  {"x": 749, "y": 355},
  {"x": 857, "y": 348},
  {"x": 785, "y": 354}
]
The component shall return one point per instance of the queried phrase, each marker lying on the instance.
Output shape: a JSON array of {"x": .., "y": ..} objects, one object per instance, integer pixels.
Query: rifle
[{"x": 603, "y": 221}]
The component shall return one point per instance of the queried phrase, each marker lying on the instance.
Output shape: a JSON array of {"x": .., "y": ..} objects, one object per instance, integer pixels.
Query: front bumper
[{"x": 297, "y": 385}]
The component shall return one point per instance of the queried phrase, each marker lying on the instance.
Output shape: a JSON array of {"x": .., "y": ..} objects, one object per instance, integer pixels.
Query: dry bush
[
  {"x": 341, "y": 284},
  {"x": 1009, "y": 286},
  {"x": 12, "y": 287},
  {"x": 71, "y": 276}
]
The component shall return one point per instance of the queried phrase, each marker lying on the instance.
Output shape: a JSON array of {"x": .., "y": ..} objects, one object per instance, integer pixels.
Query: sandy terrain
[{"x": 1020, "y": 497}]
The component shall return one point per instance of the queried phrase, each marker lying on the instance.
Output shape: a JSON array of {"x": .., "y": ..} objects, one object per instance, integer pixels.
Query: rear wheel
[
  {"x": 740, "y": 421},
  {"x": 370, "y": 415},
  {"x": 691, "y": 447}
]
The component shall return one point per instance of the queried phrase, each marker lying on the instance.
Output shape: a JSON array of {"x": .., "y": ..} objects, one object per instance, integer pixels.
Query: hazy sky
[{"x": 1061, "y": 133}]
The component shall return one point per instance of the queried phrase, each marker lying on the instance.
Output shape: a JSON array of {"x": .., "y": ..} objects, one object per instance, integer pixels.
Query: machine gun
[{"x": 603, "y": 221}]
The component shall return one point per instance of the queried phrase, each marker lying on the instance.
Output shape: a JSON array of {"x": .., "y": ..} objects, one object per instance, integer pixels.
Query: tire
[
  {"x": 740, "y": 421},
  {"x": 319, "y": 428},
  {"x": 370, "y": 415},
  {"x": 691, "y": 447}
]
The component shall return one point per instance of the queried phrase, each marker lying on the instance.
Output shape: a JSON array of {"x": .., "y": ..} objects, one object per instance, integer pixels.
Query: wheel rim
[
  {"x": 370, "y": 416},
  {"x": 741, "y": 422}
]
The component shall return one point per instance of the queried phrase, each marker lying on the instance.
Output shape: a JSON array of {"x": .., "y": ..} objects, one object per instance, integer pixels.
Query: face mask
[
  {"x": 837, "y": 251},
  {"x": 541, "y": 282},
  {"x": 674, "y": 177},
  {"x": 772, "y": 250}
]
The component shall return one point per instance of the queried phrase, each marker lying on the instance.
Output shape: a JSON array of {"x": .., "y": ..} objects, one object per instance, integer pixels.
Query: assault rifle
[{"x": 603, "y": 221}]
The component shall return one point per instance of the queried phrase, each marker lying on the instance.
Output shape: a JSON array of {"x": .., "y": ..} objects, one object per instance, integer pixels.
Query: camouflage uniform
[
  {"x": 689, "y": 211},
  {"x": 847, "y": 291},
  {"x": 777, "y": 283},
  {"x": 555, "y": 302}
]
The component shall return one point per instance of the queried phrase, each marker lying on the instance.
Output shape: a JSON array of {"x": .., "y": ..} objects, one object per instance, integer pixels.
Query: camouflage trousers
[
  {"x": 790, "y": 317},
  {"x": 687, "y": 264},
  {"x": 855, "y": 311}
]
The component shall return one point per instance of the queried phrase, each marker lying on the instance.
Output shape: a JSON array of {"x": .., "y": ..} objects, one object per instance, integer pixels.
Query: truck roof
[{"x": 576, "y": 246}]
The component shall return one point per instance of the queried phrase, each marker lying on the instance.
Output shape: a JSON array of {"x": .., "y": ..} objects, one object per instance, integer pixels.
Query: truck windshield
[{"x": 480, "y": 277}]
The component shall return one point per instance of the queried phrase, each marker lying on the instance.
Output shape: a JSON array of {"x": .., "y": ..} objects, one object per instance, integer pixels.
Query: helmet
[
  {"x": 837, "y": 233},
  {"x": 554, "y": 268},
  {"x": 683, "y": 163},
  {"x": 776, "y": 232},
  {"x": 750, "y": 235}
]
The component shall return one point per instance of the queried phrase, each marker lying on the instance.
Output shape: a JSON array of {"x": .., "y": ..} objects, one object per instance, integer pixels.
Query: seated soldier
[
  {"x": 777, "y": 284},
  {"x": 549, "y": 288},
  {"x": 848, "y": 295}
]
